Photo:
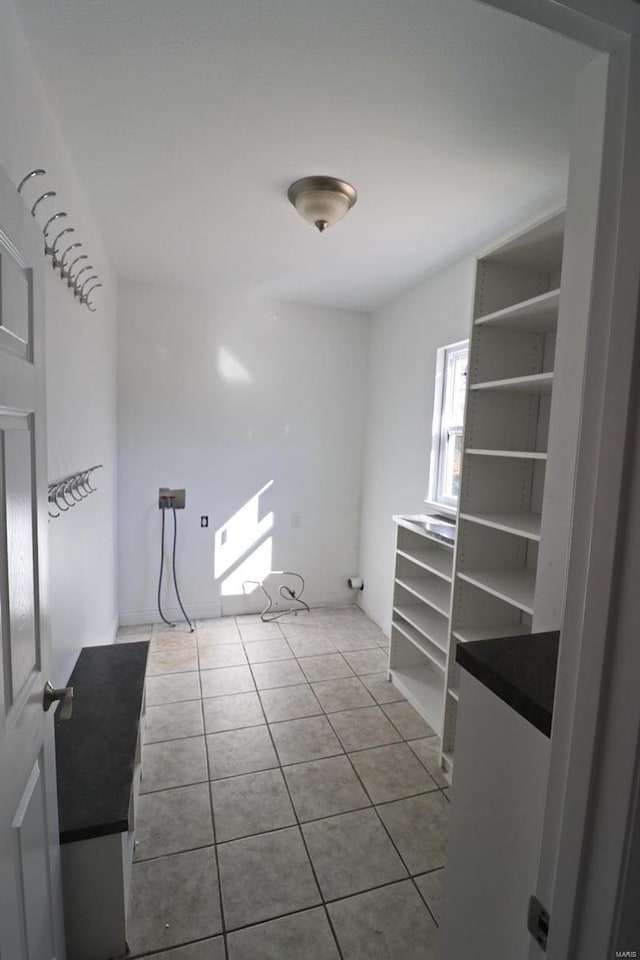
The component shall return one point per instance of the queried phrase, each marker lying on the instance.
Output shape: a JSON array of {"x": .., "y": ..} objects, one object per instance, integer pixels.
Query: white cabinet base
[
  {"x": 495, "y": 829},
  {"x": 94, "y": 878}
]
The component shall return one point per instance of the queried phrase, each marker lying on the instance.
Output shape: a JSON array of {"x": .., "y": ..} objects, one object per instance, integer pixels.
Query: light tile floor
[{"x": 291, "y": 804}]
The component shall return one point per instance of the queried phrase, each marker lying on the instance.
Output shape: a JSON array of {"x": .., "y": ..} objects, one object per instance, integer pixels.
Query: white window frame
[{"x": 440, "y": 430}]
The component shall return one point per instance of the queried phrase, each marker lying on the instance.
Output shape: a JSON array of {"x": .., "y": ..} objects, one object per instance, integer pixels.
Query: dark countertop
[
  {"x": 520, "y": 670},
  {"x": 96, "y": 747}
]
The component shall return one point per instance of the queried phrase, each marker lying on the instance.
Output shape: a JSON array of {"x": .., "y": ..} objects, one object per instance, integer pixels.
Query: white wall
[
  {"x": 222, "y": 398},
  {"x": 402, "y": 360},
  {"x": 81, "y": 360}
]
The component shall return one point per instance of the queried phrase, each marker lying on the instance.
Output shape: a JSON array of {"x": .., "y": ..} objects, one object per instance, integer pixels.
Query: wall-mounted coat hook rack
[
  {"x": 59, "y": 257},
  {"x": 64, "y": 494}
]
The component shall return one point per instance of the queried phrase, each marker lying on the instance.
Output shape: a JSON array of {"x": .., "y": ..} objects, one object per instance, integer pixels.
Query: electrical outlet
[
  {"x": 204, "y": 521},
  {"x": 296, "y": 519}
]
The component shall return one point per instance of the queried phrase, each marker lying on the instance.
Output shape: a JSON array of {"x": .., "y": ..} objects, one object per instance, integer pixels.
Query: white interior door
[{"x": 30, "y": 888}]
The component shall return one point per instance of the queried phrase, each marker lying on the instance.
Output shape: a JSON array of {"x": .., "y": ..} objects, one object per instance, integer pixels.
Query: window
[{"x": 448, "y": 422}]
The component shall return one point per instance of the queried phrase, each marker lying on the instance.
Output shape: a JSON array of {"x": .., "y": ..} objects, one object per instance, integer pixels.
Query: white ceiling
[{"x": 188, "y": 119}]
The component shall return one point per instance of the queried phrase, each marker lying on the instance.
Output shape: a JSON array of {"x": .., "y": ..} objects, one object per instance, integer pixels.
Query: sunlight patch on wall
[
  {"x": 256, "y": 567},
  {"x": 242, "y": 548},
  {"x": 230, "y": 368}
]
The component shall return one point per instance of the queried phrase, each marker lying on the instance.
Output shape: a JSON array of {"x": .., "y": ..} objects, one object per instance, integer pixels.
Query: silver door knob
[{"x": 52, "y": 694}]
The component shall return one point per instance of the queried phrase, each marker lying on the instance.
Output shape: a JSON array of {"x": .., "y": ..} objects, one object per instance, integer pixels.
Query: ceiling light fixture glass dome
[{"x": 322, "y": 201}]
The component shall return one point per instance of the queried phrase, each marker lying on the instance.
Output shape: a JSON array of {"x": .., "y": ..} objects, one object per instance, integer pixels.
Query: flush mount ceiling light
[{"x": 322, "y": 201}]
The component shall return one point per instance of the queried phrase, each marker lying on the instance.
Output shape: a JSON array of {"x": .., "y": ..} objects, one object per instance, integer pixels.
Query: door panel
[
  {"x": 15, "y": 315},
  {"x": 17, "y": 491},
  {"x": 30, "y": 844},
  {"x": 30, "y": 889}
]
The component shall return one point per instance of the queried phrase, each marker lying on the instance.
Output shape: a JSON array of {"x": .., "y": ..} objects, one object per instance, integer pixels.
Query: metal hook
[
  {"x": 72, "y": 485},
  {"x": 65, "y": 487},
  {"x": 85, "y": 482},
  {"x": 34, "y": 173},
  {"x": 79, "y": 487},
  {"x": 52, "y": 249},
  {"x": 49, "y": 250},
  {"x": 70, "y": 279},
  {"x": 56, "y": 494},
  {"x": 72, "y": 246},
  {"x": 43, "y": 196},
  {"x": 56, "y": 216},
  {"x": 90, "y": 471},
  {"x": 76, "y": 285},
  {"x": 83, "y": 285},
  {"x": 51, "y": 499},
  {"x": 85, "y": 297}
]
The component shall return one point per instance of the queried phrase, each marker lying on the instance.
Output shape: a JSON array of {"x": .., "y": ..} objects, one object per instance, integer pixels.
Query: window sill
[{"x": 441, "y": 508}]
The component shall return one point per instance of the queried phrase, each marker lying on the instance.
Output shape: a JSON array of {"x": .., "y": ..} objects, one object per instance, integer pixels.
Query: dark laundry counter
[
  {"x": 96, "y": 747},
  {"x": 521, "y": 670}
]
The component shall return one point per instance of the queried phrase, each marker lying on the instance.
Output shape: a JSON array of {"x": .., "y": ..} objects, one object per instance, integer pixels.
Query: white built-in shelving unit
[
  {"x": 421, "y": 617},
  {"x": 505, "y": 466},
  {"x": 486, "y": 586}
]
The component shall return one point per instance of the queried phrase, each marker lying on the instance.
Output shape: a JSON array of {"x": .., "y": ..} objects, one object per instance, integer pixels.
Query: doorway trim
[{"x": 585, "y": 855}]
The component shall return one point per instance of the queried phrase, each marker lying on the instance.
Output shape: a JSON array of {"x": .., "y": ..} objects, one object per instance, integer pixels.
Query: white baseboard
[
  {"x": 235, "y": 606},
  {"x": 197, "y": 611}
]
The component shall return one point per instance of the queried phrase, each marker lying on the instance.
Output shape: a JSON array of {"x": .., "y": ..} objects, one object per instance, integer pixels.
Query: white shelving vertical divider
[{"x": 505, "y": 447}]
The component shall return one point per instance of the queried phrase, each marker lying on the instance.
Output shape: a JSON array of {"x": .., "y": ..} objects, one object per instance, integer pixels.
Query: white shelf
[
  {"x": 469, "y": 634},
  {"x": 534, "y": 383},
  {"x": 437, "y": 593},
  {"x": 538, "y": 314},
  {"x": 427, "y": 647},
  {"x": 419, "y": 523},
  {"x": 435, "y": 561},
  {"x": 424, "y": 689},
  {"x": 521, "y": 524},
  {"x": 452, "y": 692},
  {"x": 514, "y": 586},
  {"x": 515, "y": 454},
  {"x": 427, "y": 622}
]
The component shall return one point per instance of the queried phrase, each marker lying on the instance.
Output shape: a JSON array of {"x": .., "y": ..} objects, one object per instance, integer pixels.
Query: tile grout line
[
  {"x": 301, "y": 833},
  {"x": 259, "y": 833},
  {"x": 166, "y": 950},
  {"x": 424, "y": 899},
  {"x": 279, "y": 916},
  {"x": 384, "y": 826},
  {"x": 213, "y": 821},
  {"x": 292, "y": 763},
  {"x": 317, "y": 906}
]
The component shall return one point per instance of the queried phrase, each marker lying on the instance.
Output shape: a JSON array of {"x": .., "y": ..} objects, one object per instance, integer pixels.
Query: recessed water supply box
[{"x": 169, "y": 499}]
